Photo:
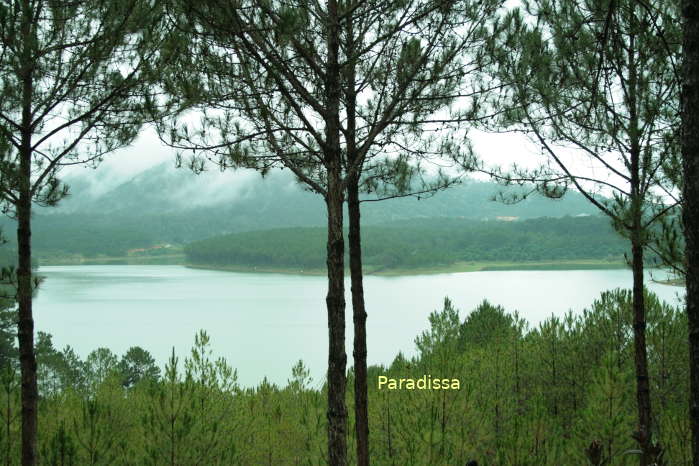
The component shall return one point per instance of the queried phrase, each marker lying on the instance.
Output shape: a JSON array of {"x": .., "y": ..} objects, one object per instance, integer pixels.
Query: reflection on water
[{"x": 263, "y": 323}]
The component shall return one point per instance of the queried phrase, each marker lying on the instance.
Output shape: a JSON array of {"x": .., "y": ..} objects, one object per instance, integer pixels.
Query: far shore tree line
[
  {"x": 425, "y": 243},
  {"x": 365, "y": 97}
]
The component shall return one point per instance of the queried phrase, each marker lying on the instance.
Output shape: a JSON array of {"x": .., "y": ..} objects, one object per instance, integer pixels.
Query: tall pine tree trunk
[
  {"x": 335, "y": 300},
  {"x": 639, "y": 310},
  {"x": 359, "y": 317},
  {"x": 337, "y": 358},
  {"x": 25, "y": 330},
  {"x": 690, "y": 212},
  {"x": 25, "y": 327},
  {"x": 641, "y": 356},
  {"x": 361, "y": 412}
]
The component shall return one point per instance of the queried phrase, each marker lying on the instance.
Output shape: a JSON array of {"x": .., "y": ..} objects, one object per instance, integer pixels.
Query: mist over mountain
[
  {"x": 164, "y": 189},
  {"x": 158, "y": 189},
  {"x": 163, "y": 204}
]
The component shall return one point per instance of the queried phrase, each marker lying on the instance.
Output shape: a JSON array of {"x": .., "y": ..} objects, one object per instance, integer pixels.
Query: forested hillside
[
  {"x": 150, "y": 209},
  {"x": 279, "y": 200},
  {"x": 422, "y": 242}
]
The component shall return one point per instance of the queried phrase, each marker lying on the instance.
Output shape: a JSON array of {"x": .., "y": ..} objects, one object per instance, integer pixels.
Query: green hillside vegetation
[
  {"x": 421, "y": 243},
  {"x": 141, "y": 213},
  {"x": 525, "y": 397},
  {"x": 276, "y": 200}
]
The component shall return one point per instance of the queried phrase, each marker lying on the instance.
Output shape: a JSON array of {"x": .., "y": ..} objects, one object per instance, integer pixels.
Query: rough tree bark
[
  {"x": 359, "y": 319},
  {"x": 359, "y": 315},
  {"x": 641, "y": 357},
  {"x": 335, "y": 300},
  {"x": 639, "y": 310},
  {"x": 25, "y": 327},
  {"x": 690, "y": 212}
]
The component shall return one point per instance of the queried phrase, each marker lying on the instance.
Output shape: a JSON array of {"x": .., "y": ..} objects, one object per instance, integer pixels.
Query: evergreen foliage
[
  {"x": 76, "y": 83},
  {"x": 422, "y": 243},
  {"x": 144, "y": 219},
  {"x": 601, "y": 77}
]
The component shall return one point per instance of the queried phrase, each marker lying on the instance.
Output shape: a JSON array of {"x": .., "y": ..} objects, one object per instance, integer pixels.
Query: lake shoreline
[
  {"x": 671, "y": 282},
  {"x": 458, "y": 267},
  {"x": 164, "y": 259}
]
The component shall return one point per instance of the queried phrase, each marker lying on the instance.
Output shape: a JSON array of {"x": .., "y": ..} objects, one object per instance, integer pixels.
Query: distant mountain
[
  {"x": 168, "y": 205},
  {"x": 165, "y": 189}
]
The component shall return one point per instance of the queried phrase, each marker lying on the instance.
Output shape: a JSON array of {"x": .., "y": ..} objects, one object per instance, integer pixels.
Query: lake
[{"x": 264, "y": 323}]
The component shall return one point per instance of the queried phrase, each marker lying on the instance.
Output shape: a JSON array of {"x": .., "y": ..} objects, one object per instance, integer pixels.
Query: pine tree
[
  {"x": 73, "y": 87},
  {"x": 690, "y": 212},
  {"x": 601, "y": 77},
  {"x": 347, "y": 96}
]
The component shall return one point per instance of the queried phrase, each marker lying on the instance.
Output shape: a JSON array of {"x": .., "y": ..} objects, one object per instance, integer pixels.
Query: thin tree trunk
[
  {"x": 337, "y": 358},
  {"x": 638, "y": 305},
  {"x": 335, "y": 300},
  {"x": 641, "y": 356},
  {"x": 359, "y": 318},
  {"x": 25, "y": 327},
  {"x": 361, "y": 415},
  {"x": 25, "y": 333},
  {"x": 690, "y": 212}
]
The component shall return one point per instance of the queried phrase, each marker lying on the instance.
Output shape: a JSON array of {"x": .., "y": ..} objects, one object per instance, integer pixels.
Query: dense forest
[
  {"x": 526, "y": 397},
  {"x": 423, "y": 243}
]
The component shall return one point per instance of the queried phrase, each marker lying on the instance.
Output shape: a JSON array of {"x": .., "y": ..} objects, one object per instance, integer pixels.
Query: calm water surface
[{"x": 263, "y": 323}]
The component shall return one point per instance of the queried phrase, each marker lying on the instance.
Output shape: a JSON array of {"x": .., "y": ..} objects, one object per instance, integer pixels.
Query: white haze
[
  {"x": 214, "y": 187},
  {"x": 211, "y": 187}
]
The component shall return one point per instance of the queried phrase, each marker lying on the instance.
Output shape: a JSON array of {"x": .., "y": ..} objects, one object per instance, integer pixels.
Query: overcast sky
[
  {"x": 148, "y": 151},
  {"x": 501, "y": 149}
]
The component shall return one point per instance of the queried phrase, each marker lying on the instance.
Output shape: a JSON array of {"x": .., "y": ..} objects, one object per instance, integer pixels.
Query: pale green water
[{"x": 263, "y": 323}]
